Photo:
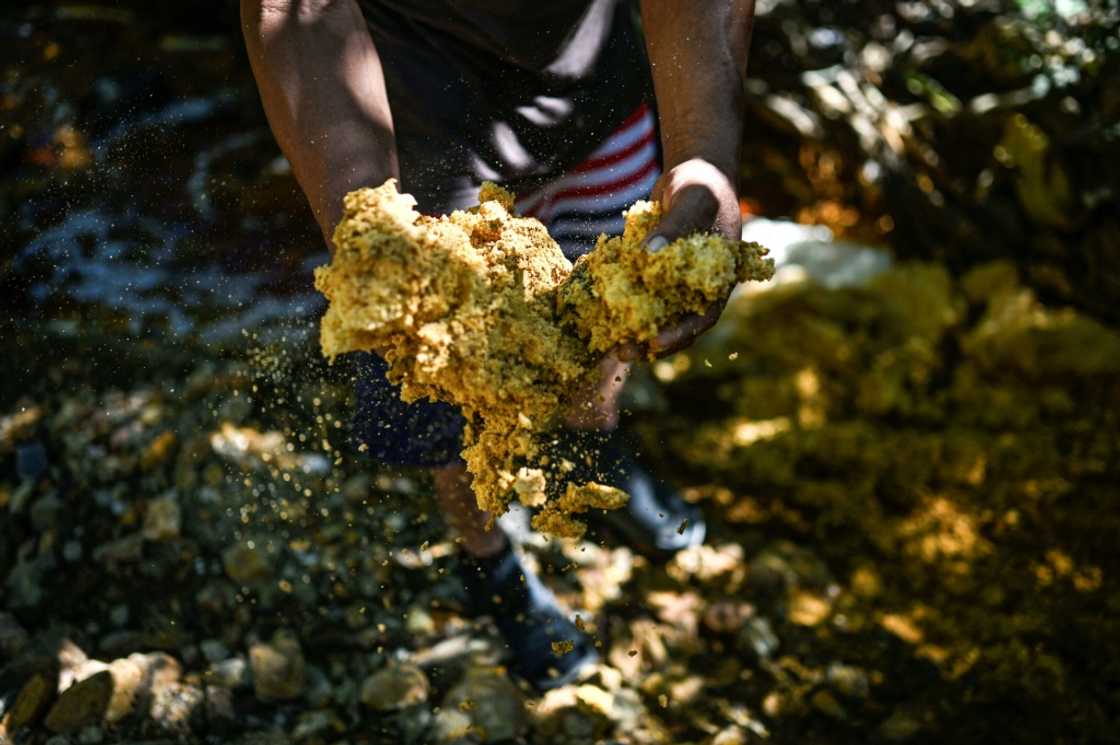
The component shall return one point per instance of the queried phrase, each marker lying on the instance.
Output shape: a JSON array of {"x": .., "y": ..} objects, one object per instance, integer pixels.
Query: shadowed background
[{"x": 908, "y": 446}]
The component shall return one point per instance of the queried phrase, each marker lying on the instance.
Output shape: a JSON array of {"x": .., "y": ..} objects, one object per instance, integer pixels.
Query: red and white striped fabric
[{"x": 590, "y": 199}]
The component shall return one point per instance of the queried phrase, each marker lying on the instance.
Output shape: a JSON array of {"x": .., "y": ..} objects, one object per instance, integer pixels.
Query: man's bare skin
[{"x": 324, "y": 94}]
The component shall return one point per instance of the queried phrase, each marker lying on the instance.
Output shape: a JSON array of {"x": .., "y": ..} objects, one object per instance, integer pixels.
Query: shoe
[
  {"x": 530, "y": 619},
  {"x": 656, "y": 521}
]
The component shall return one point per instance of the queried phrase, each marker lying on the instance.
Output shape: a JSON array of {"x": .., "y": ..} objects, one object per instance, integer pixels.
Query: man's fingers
[
  {"x": 658, "y": 191},
  {"x": 691, "y": 209},
  {"x": 628, "y": 352},
  {"x": 680, "y": 336},
  {"x": 671, "y": 339}
]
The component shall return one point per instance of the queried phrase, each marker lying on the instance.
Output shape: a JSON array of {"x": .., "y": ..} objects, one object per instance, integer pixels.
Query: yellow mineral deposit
[{"x": 481, "y": 309}]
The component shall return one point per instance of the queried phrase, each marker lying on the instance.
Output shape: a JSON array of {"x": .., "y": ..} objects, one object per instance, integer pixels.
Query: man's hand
[
  {"x": 698, "y": 57},
  {"x": 695, "y": 196}
]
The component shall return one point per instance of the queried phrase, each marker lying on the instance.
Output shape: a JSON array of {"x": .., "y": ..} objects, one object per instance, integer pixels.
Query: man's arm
[
  {"x": 698, "y": 57},
  {"x": 324, "y": 95}
]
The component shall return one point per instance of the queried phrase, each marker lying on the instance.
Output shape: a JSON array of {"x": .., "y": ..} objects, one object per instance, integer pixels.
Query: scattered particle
[{"x": 562, "y": 648}]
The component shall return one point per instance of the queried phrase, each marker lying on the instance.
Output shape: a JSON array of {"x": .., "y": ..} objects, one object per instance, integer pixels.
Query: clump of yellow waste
[{"x": 481, "y": 309}]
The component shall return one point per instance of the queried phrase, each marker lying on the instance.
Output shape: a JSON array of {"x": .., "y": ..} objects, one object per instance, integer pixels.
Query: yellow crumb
[
  {"x": 562, "y": 648},
  {"x": 481, "y": 309}
]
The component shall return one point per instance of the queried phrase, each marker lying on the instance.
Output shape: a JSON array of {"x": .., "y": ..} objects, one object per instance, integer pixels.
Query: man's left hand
[{"x": 695, "y": 196}]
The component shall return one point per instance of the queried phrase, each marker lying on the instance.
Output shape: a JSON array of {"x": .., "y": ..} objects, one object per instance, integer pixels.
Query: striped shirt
[{"x": 590, "y": 199}]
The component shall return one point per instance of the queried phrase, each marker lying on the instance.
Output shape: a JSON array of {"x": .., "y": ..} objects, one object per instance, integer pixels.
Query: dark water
[{"x": 142, "y": 190}]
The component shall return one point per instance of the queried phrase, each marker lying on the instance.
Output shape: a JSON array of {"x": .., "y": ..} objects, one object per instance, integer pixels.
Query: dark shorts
[{"x": 576, "y": 207}]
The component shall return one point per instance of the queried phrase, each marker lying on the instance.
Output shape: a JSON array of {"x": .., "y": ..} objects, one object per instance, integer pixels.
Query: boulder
[
  {"x": 395, "y": 687},
  {"x": 278, "y": 668},
  {"x": 492, "y": 702}
]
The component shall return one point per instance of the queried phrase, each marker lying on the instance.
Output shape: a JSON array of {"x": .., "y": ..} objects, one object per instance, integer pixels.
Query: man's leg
[
  {"x": 656, "y": 520},
  {"x": 577, "y": 207},
  {"x": 457, "y": 502},
  {"x": 531, "y": 621},
  {"x": 596, "y": 408}
]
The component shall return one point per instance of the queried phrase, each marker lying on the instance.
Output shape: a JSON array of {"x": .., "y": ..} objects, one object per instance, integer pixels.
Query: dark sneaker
[
  {"x": 656, "y": 521},
  {"x": 546, "y": 648}
]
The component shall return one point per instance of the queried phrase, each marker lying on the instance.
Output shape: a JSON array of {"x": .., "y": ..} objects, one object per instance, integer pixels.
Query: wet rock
[
  {"x": 726, "y": 616},
  {"x": 31, "y": 460},
  {"x": 278, "y": 668},
  {"x": 158, "y": 451},
  {"x": 900, "y": 726},
  {"x": 758, "y": 637},
  {"x": 631, "y": 716},
  {"x": 783, "y": 703},
  {"x": 190, "y": 655},
  {"x": 33, "y": 699},
  {"x": 26, "y": 581},
  {"x": 825, "y": 702},
  {"x": 232, "y": 673},
  {"x": 452, "y": 726},
  {"x": 784, "y": 566},
  {"x": 45, "y": 511},
  {"x": 275, "y": 737},
  {"x": 357, "y": 488},
  {"x": 73, "y": 663},
  {"x": 119, "y": 615},
  {"x": 319, "y": 692},
  {"x": 105, "y": 696},
  {"x": 18, "y": 500},
  {"x": 217, "y": 596},
  {"x": 414, "y": 724},
  {"x": 127, "y": 549},
  {"x": 492, "y": 702},
  {"x": 807, "y": 608},
  {"x": 175, "y": 704},
  {"x": 574, "y": 715},
  {"x": 162, "y": 519},
  {"x": 17, "y": 426},
  {"x": 219, "y": 707},
  {"x": 213, "y": 650},
  {"x": 122, "y": 643},
  {"x": 246, "y": 564},
  {"x": 13, "y": 637},
  {"x": 91, "y": 736},
  {"x": 159, "y": 668},
  {"x": 706, "y": 563},
  {"x": 733, "y": 735},
  {"x": 419, "y": 622},
  {"x": 395, "y": 687},
  {"x": 316, "y": 725},
  {"x": 848, "y": 680}
]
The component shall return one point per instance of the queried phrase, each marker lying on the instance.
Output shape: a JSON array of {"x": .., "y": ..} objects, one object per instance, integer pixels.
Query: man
[{"x": 555, "y": 100}]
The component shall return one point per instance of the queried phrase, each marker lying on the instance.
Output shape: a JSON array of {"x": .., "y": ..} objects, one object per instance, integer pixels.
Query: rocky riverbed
[{"x": 911, "y": 485}]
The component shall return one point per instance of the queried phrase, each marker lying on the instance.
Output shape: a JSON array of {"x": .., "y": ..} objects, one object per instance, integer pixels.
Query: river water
[
  {"x": 144, "y": 194},
  {"x": 142, "y": 188}
]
